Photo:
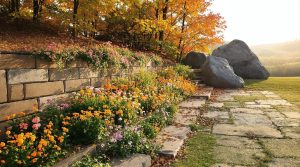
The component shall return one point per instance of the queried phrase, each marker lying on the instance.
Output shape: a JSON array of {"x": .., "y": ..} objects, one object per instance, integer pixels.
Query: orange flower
[
  {"x": 2, "y": 161},
  {"x": 21, "y": 114},
  {"x": 65, "y": 129},
  {"x": 2, "y": 144},
  {"x": 33, "y": 154},
  {"x": 61, "y": 139}
]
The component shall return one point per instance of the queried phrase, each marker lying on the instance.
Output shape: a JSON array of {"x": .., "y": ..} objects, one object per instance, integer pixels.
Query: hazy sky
[{"x": 260, "y": 21}]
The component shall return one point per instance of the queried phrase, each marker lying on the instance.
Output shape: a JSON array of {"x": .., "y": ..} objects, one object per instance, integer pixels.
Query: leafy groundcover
[{"x": 122, "y": 117}]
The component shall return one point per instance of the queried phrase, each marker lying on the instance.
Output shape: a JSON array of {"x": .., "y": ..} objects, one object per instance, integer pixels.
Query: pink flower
[
  {"x": 36, "y": 126},
  {"x": 23, "y": 126},
  {"x": 36, "y": 120}
]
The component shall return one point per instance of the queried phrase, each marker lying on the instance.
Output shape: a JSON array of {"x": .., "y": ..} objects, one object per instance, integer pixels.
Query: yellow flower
[
  {"x": 21, "y": 114},
  {"x": 65, "y": 123},
  {"x": 76, "y": 115},
  {"x": 2, "y": 144},
  {"x": 32, "y": 138},
  {"x": 91, "y": 108},
  {"x": 119, "y": 112},
  {"x": 82, "y": 117},
  {"x": 65, "y": 129},
  {"x": 34, "y": 160},
  {"x": 7, "y": 132},
  {"x": 57, "y": 147}
]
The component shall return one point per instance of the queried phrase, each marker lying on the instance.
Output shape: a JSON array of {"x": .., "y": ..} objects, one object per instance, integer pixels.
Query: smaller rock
[
  {"x": 136, "y": 160},
  {"x": 218, "y": 73},
  {"x": 195, "y": 60}
]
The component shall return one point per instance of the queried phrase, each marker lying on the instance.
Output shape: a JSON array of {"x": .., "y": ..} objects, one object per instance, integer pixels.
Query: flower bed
[
  {"x": 97, "y": 56},
  {"x": 122, "y": 116}
]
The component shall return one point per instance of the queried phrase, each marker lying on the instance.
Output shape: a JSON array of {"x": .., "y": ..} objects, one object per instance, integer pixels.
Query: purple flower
[{"x": 117, "y": 136}]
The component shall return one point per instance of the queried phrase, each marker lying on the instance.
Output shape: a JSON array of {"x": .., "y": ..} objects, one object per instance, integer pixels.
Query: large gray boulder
[
  {"x": 194, "y": 59},
  {"x": 243, "y": 61},
  {"x": 218, "y": 73}
]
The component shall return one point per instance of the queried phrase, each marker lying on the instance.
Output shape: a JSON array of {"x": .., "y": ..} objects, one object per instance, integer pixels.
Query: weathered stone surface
[
  {"x": 184, "y": 119},
  {"x": 11, "y": 61},
  {"x": 279, "y": 121},
  {"x": 291, "y": 132},
  {"x": 218, "y": 73},
  {"x": 284, "y": 162},
  {"x": 43, "y": 89},
  {"x": 237, "y": 156},
  {"x": 194, "y": 59},
  {"x": 251, "y": 119},
  {"x": 244, "y": 62},
  {"x": 74, "y": 85},
  {"x": 44, "y": 63},
  {"x": 64, "y": 74},
  {"x": 216, "y": 115},
  {"x": 45, "y": 101},
  {"x": 15, "y": 92},
  {"x": 292, "y": 115},
  {"x": 204, "y": 93},
  {"x": 274, "y": 102},
  {"x": 174, "y": 131},
  {"x": 216, "y": 105},
  {"x": 283, "y": 147},
  {"x": 170, "y": 146},
  {"x": 192, "y": 103},
  {"x": 88, "y": 73},
  {"x": 237, "y": 142},
  {"x": 78, "y": 63},
  {"x": 16, "y": 107},
  {"x": 225, "y": 97},
  {"x": 27, "y": 75},
  {"x": 136, "y": 160},
  {"x": 246, "y": 130},
  {"x": 250, "y": 103},
  {"x": 3, "y": 87},
  {"x": 76, "y": 157},
  {"x": 246, "y": 110},
  {"x": 189, "y": 111},
  {"x": 258, "y": 106}
]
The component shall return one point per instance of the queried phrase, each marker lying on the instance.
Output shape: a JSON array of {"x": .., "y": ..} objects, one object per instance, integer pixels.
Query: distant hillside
[{"x": 281, "y": 59}]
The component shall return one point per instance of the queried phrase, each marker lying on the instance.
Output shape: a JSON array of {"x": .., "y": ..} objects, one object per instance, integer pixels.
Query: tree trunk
[
  {"x": 14, "y": 6},
  {"x": 75, "y": 11},
  {"x": 182, "y": 30},
  {"x": 165, "y": 11},
  {"x": 35, "y": 10}
]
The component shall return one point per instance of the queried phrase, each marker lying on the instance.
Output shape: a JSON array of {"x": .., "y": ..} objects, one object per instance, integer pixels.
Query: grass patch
[
  {"x": 243, "y": 99},
  {"x": 286, "y": 87},
  {"x": 199, "y": 151}
]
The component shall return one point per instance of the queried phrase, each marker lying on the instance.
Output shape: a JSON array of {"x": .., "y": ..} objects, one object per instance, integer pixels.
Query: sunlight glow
[{"x": 260, "y": 21}]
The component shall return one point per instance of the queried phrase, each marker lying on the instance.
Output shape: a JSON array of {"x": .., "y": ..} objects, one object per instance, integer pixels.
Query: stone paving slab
[
  {"x": 246, "y": 130},
  {"x": 283, "y": 147},
  {"x": 189, "y": 111},
  {"x": 237, "y": 142},
  {"x": 291, "y": 132},
  {"x": 237, "y": 156},
  {"x": 251, "y": 119},
  {"x": 170, "y": 146},
  {"x": 246, "y": 110},
  {"x": 285, "y": 162},
  {"x": 216, "y": 105},
  {"x": 192, "y": 103},
  {"x": 258, "y": 106},
  {"x": 185, "y": 120},
  {"x": 216, "y": 115},
  {"x": 225, "y": 97},
  {"x": 292, "y": 115},
  {"x": 286, "y": 122},
  {"x": 174, "y": 131},
  {"x": 274, "y": 102}
]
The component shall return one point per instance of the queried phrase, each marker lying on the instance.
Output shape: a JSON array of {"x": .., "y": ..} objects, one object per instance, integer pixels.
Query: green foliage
[
  {"x": 92, "y": 161},
  {"x": 87, "y": 131},
  {"x": 182, "y": 70}
]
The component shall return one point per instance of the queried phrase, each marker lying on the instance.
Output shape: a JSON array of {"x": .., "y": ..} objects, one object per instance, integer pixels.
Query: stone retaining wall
[{"x": 27, "y": 81}]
